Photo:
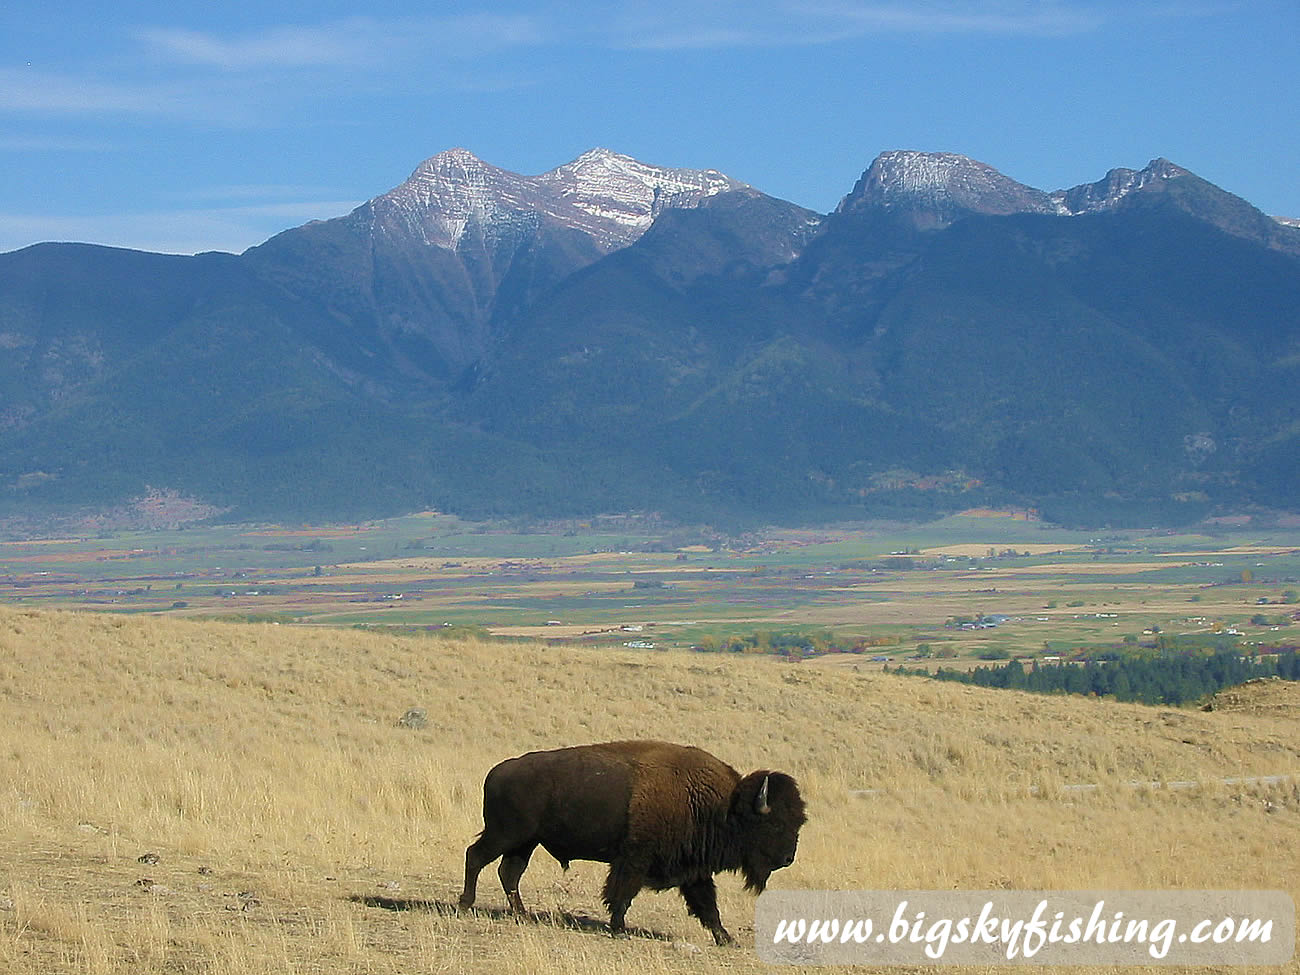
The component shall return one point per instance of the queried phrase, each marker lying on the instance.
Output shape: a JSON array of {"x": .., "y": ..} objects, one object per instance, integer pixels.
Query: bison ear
[{"x": 760, "y": 804}]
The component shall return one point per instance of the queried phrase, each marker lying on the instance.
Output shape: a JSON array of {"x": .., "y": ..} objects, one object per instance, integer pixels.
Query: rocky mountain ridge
[
  {"x": 937, "y": 188},
  {"x": 933, "y": 190},
  {"x": 610, "y": 197},
  {"x": 1115, "y": 186}
]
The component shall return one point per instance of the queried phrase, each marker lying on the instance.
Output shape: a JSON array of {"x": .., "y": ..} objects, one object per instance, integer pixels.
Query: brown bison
[{"x": 660, "y": 815}]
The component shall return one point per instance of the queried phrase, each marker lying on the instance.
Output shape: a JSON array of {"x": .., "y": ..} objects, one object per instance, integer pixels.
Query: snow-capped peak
[
  {"x": 449, "y": 159},
  {"x": 937, "y": 187},
  {"x": 1108, "y": 191},
  {"x": 604, "y": 164},
  {"x": 628, "y": 193},
  {"x": 612, "y": 197},
  {"x": 447, "y": 194},
  {"x": 596, "y": 158}
]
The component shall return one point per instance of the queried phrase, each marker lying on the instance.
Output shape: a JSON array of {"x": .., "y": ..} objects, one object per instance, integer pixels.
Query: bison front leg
[
  {"x": 702, "y": 902},
  {"x": 625, "y": 880}
]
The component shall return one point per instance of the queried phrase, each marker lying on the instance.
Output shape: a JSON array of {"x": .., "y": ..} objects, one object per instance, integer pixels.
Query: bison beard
[{"x": 660, "y": 815}]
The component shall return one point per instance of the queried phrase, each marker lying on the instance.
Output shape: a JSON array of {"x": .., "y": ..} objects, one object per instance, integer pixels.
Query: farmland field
[{"x": 625, "y": 581}]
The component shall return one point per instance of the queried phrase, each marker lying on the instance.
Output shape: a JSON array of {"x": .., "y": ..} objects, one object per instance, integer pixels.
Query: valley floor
[{"x": 616, "y": 582}]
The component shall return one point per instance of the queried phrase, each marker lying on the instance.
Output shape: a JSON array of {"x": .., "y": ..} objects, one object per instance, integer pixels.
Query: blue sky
[{"x": 185, "y": 126}]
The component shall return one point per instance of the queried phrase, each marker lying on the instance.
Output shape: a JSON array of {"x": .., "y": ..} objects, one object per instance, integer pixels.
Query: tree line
[{"x": 1169, "y": 678}]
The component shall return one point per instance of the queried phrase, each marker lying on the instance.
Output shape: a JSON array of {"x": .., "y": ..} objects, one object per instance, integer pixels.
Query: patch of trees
[
  {"x": 1171, "y": 677},
  {"x": 807, "y": 643},
  {"x": 315, "y": 545}
]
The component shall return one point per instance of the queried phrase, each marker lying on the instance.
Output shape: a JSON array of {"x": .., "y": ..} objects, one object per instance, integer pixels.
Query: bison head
[{"x": 767, "y": 812}]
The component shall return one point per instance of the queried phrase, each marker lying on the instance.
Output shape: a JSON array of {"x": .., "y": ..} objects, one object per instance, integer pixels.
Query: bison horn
[{"x": 760, "y": 804}]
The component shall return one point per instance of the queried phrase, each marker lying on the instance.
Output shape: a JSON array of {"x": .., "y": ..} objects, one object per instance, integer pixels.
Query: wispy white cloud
[
  {"x": 43, "y": 91},
  {"x": 255, "y": 76},
  {"x": 353, "y": 42},
  {"x": 102, "y": 94},
  {"x": 787, "y": 23},
  {"x": 376, "y": 43},
  {"x": 280, "y": 47},
  {"x": 243, "y": 78},
  {"x": 971, "y": 17}
]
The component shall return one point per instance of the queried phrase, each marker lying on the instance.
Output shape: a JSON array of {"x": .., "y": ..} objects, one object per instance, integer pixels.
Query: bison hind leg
[
  {"x": 490, "y": 845},
  {"x": 479, "y": 854},
  {"x": 513, "y": 865}
]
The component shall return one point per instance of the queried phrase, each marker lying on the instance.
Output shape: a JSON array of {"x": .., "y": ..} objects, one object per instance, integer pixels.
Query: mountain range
[{"x": 612, "y": 335}]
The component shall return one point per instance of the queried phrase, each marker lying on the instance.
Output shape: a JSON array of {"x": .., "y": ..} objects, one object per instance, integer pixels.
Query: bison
[{"x": 660, "y": 815}]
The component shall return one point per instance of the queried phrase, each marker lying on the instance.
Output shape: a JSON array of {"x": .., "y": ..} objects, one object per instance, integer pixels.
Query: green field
[{"x": 629, "y": 581}]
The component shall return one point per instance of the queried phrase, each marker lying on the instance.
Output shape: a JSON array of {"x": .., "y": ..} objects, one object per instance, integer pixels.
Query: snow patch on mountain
[
  {"x": 610, "y": 197},
  {"x": 619, "y": 189},
  {"x": 935, "y": 188},
  {"x": 451, "y": 193},
  {"x": 1107, "y": 192}
]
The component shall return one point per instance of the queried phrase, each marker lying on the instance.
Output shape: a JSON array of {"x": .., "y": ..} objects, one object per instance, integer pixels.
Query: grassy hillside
[{"x": 299, "y": 828}]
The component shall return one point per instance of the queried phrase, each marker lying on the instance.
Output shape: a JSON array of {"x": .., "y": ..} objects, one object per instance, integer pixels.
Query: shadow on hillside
[{"x": 559, "y": 919}]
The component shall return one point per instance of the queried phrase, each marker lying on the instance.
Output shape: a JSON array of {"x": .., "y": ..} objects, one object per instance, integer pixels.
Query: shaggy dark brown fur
[{"x": 660, "y": 815}]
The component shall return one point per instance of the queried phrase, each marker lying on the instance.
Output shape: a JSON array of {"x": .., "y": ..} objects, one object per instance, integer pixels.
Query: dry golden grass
[{"x": 298, "y": 828}]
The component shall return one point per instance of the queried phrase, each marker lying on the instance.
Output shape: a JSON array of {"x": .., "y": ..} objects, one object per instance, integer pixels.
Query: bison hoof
[
  {"x": 723, "y": 939},
  {"x": 465, "y": 903}
]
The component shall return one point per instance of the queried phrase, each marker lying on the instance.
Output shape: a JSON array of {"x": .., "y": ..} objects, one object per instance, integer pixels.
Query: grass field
[{"x": 181, "y": 796}]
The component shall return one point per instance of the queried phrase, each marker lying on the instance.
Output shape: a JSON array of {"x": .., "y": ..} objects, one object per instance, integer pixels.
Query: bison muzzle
[{"x": 660, "y": 815}]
